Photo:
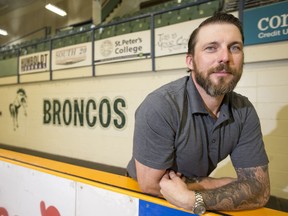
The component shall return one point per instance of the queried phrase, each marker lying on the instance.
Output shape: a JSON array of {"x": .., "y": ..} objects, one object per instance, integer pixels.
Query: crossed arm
[{"x": 250, "y": 190}]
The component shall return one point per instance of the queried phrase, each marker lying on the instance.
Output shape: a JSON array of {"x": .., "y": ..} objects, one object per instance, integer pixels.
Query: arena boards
[{"x": 32, "y": 185}]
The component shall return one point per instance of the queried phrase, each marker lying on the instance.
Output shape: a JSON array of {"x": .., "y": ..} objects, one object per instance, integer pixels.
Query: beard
[{"x": 223, "y": 86}]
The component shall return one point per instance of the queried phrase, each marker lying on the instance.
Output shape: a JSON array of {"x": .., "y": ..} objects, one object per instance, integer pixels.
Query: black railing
[{"x": 94, "y": 33}]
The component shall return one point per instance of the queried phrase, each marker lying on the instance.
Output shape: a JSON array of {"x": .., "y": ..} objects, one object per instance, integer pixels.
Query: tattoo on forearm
[{"x": 251, "y": 190}]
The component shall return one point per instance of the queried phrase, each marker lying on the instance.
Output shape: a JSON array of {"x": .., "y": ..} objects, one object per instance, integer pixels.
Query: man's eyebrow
[
  {"x": 216, "y": 43},
  {"x": 211, "y": 43}
]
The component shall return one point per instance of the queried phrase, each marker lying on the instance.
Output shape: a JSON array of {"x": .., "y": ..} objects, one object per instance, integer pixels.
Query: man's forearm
[
  {"x": 245, "y": 193},
  {"x": 251, "y": 190},
  {"x": 207, "y": 183}
]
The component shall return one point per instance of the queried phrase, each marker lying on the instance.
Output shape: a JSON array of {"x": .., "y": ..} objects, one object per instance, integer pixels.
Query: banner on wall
[
  {"x": 36, "y": 62},
  {"x": 79, "y": 55},
  {"x": 266, "y": 24},
  {"x": 123, "y": 47},
  {"x": 173, "y": 39}
]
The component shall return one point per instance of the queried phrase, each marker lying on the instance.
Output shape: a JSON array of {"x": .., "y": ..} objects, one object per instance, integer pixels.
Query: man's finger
[
  {"x": 172, "y": 174},
  {"x": 165, "y": 176}
]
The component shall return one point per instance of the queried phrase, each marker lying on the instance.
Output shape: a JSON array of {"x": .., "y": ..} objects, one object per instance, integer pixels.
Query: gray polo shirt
[{"x": 173, "y": 130}]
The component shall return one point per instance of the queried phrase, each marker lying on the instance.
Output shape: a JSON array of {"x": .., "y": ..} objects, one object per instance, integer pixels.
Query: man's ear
[{"x": 189, "y": 61}]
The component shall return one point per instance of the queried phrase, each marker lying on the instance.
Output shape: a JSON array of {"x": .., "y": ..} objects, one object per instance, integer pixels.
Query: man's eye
[
  {"x": 210, "y": 49},
  {"x": 235, "y": 48}
]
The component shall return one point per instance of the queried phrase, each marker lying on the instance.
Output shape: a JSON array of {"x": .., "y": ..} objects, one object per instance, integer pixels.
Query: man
[{"x": 187, "y": 126}]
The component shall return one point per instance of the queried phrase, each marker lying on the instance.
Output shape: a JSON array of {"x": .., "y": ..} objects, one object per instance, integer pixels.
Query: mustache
[{"x": 222, "y": 67}]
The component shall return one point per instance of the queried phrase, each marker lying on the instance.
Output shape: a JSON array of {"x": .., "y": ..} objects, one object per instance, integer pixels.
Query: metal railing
[{"x": 50, "y": 43}]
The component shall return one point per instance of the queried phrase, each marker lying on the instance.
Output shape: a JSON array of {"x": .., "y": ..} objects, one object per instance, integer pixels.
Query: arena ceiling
[{"x": 10, "y": 5}]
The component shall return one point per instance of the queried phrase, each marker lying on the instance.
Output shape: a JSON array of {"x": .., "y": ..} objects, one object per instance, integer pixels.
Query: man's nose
[{"x": 224, "y": 55}]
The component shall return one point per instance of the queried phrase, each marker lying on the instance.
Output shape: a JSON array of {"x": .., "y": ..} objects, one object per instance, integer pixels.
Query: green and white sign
[{"x": 266, "y": 24}]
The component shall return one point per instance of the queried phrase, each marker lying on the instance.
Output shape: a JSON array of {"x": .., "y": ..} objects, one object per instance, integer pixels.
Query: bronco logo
[{"x": 20, "y": 101}]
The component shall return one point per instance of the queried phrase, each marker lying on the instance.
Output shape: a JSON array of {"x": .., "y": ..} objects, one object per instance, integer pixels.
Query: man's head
[
  {"x": 215, "y": 54},
  {"x": 217, "y": 18}
]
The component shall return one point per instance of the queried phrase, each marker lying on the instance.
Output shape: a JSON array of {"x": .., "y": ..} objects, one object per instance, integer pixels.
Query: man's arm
[
  {"x": 149, "y": 178},
  {"x": 251, "y": 190},
  {"x": 207, "y": 183}
]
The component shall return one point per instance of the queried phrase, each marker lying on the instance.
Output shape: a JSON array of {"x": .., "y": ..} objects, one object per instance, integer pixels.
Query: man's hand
[
  {"x": 250, "y": 190},
  {"x": 175, "y": 191},
  {"x": 180, "y": 193}
]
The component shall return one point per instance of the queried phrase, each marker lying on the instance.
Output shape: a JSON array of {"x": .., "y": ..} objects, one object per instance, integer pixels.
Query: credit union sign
[{"x": 266, "y": 24}]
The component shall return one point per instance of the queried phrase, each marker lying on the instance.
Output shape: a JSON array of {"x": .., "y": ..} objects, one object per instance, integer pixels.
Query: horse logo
[{"x": 20, "y": 101}]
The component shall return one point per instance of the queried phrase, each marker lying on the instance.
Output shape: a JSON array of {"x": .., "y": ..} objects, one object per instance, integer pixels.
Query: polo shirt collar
[{"x": 195, "y": 100}]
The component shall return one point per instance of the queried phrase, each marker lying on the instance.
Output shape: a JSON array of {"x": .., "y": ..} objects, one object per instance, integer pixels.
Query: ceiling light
[
  {"x": 55, "y": 9},
  {"x": 3, "y": 32}
]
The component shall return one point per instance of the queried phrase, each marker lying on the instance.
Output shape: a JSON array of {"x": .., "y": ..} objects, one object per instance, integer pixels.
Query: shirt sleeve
[
  {"x": 250, "y": 149},
  {"x": 153, "y": 142}
]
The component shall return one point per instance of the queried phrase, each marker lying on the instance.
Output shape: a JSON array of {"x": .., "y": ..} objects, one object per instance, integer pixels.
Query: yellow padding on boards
[{"x": 108, "y": 181}]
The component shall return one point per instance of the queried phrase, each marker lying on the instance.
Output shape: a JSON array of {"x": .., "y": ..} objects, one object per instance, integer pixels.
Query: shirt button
[{"x": 213, "y": 140}]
